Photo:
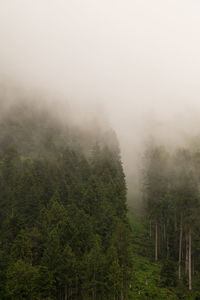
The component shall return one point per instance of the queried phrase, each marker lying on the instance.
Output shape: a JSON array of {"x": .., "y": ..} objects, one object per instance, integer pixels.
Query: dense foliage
[
  {"x": 64, "y": 232},
  {"x": 172, "y": 206},
  {"x": 150, "y": 278}
]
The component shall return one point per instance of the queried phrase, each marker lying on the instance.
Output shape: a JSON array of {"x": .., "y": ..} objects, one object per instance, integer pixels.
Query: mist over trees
[
  {"x": 64, "y": 232},
  {"x": 109, "y": 73},
  {"x": 171, "y": 192}
]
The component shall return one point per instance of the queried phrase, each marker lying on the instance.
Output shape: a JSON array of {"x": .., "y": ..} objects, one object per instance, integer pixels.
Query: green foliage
[
  {"x": 64, "y": 233},
  {"x": 21, "y": 280},
  {"x": 146, "y": 282},
  {"x": 169, "y": 273},
  {"x": 172, "y": 208}
]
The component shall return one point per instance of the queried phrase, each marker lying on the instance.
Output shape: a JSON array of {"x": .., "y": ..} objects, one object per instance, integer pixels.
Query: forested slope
[
  {"x": 170, "y": 222},
  {"x": 64, "y": 232}
]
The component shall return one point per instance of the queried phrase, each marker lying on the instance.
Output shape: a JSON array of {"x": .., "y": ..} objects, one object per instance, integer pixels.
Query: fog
[{"x": 136, "y": 62}]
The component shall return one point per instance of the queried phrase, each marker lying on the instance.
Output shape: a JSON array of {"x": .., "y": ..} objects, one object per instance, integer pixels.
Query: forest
[
  {"x": 64, "y": 231},
  {"x": 166, "y": 228},
  {"x": 99, "y": 150},
  {"x": 67, "y": 230}
]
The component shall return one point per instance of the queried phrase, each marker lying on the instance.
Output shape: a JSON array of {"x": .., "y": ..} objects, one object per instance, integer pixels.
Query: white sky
[{"x": 140, "y": 59}]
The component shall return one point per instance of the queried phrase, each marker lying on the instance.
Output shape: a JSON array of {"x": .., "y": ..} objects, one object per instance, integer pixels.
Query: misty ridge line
[
  {"x": 172, "y": 131},
  {"x": 24, "y": 110},
  {"x": 140, "y": 59},
  {"x": 39, "y": 100}
]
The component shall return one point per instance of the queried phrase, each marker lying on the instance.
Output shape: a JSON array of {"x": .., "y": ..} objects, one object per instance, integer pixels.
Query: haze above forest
[{"x": 135, "y": 62}]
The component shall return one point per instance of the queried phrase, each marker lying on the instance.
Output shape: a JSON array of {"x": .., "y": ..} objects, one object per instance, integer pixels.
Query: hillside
[{"x": 64, "y": 232}]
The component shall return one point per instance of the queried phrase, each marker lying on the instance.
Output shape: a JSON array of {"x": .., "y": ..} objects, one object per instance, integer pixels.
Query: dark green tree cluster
[
  {"x": 64, "y": 233},
  {"x": 172, "y": 201}
]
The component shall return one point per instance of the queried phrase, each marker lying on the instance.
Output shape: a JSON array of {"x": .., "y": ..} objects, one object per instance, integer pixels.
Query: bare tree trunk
[
  {"x": 190, "y": 261},
  {"x": 186, "y": 253},
  {"x": 156, "y": 240},
  {"x": 167, "y": 248},
  {"x": 175, "y": 223},
  {"x": 164, "y": 232},
  {"x": 193, "y": 268},
  {"x": 76, "y": 287},
  {"x": 122, "y": 294},
  {"x": 159, "y": 239},
  {"x": 180, "y": 248},
  {"x": 175, "y": 230},
  {"x": 150, "y": 234},
  {"x": 94, "y": 287},
  {"x": 66, "y": 292}
]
